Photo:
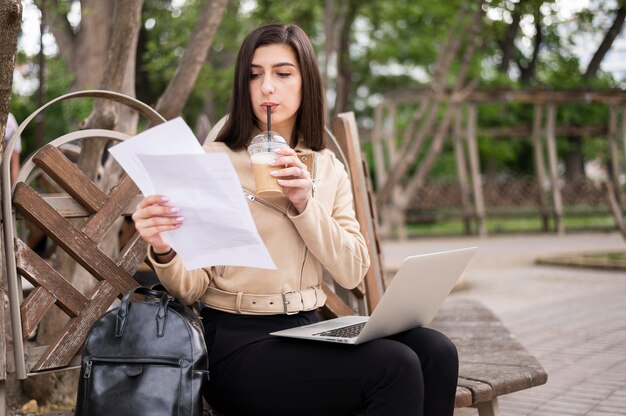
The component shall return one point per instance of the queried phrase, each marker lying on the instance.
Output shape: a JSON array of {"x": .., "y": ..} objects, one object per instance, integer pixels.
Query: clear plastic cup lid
[{"x": 263, "y": 138}]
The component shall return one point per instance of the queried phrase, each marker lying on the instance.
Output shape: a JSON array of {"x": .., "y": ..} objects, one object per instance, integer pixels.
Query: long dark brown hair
[{"x": 238, "y": 130}]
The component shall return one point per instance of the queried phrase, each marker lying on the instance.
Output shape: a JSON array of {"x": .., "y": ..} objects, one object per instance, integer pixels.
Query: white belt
[{"x": 289, "y": 302}]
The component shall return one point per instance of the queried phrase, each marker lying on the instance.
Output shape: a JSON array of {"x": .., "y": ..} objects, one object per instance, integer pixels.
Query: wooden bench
[{"x": 492, "y": 362}]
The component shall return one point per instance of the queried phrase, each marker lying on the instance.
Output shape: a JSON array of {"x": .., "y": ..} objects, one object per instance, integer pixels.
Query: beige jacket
[{"x": 325, "y": 236}]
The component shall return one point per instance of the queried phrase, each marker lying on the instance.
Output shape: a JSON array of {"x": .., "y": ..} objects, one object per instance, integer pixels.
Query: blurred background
[{"x": 459, "y": 104}]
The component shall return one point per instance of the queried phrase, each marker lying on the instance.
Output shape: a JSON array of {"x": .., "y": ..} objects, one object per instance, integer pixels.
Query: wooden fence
[{"x": 471, "y": 197}]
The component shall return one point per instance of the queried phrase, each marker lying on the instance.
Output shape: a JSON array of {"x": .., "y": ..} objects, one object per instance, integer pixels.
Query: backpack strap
[{"x": 161, "y": 316}]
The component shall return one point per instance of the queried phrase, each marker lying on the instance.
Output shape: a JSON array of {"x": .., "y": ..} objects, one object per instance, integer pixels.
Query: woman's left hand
[{"x": 293, "y": 176}]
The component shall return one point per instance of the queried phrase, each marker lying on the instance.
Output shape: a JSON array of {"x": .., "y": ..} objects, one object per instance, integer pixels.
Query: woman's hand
[
  {"x": 153, "y": 216},
  {"x": 293, "y": 177}
]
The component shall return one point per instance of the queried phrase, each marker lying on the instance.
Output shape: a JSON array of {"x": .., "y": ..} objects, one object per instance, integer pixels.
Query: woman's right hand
[{"x": 152, "y": 216}]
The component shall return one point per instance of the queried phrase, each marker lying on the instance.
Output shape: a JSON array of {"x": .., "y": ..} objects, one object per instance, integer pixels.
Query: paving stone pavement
[{"x": 572, "y": 319}]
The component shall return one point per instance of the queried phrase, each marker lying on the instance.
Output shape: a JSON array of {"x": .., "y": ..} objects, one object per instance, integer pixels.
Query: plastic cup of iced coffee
[{"x": 261, "y": 150}]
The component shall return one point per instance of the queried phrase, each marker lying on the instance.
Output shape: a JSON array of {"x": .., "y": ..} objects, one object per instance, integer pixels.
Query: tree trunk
[
  {"x": 104, "y": 113},
  {"x": 573, "y": 159},
  {"x": 528, "y": 72},
  {"x": 10, "y": 20},
  {"x": 611, "y": 34},
  {"x": 508, "y": 45},
  {"x": 84, "y": 51},
  {"x": 329, "y": 40},
  {"x": 343, "y": 84},
  {"x": 173, "y": 100}
]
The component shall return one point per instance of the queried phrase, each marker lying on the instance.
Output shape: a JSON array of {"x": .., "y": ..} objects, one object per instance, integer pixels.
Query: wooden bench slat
[
  {"x": 463, "y": 397},
  {"x": 74, "y": 242},
  {"x": 39, "y": 273},
  {"x": 480, "y": 391},
  {"x": 71, "y": 338},
  {"x": 70, "y": 178},
  {"x": 34, "y": 308},
  {"x": 100, "y": 223},
  {"x": 69, "y": 208},
  {"x": 133, "y": 254},
  {"x": 504, "y": 379},
  {"x": 35, "y": 354},
  {"x": 334, "y": 306},
  {"x": 344, "y": 128}
]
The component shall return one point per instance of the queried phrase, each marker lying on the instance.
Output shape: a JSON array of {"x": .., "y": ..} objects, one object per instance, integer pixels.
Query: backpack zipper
[{"x": 174, "y": 362}]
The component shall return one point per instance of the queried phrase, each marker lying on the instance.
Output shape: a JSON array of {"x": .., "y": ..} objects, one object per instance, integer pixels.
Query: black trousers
[{"x": 253, "y": 374}]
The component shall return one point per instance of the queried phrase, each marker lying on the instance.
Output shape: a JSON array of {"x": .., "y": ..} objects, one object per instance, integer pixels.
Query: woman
[{"x": 309, "y": 229}]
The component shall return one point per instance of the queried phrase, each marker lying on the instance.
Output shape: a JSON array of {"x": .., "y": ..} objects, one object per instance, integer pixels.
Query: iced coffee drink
[{"x": 261, "y": 151}]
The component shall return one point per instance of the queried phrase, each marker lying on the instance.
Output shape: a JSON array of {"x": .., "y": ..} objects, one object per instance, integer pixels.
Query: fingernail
[
  {"x": 273, "y": 163},
  {"x": 280, "y": 180},
  {"x": 274, "y": 172},
  {"x": 164, "y": 199},
  {"x": 174, "y": 209},
  {"x": 180, "y": 219}
]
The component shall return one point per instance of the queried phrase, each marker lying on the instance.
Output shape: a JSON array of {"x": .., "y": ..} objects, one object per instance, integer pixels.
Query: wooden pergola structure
[{"x": 464, "y": 130}]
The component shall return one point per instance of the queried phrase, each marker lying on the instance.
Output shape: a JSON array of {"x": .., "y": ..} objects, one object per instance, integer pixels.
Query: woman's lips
[{"x": 271, "y": 105}]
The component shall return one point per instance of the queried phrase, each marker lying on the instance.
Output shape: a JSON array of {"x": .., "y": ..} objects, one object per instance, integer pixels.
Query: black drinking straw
[{"x": 269, "y": 121}]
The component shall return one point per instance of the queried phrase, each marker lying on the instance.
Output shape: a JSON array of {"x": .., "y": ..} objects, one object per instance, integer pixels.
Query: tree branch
[
  {"x": 60, "y": 27},
  {"x": 611, "y": 34},
  {"x": 177, "y": 92},
  {"x": 508, "y": 46},
  {"x": 104, "y": 112},
  {"x": 343, "y": 84},
  {"x": 528, "y": 72},
  {"x": 442, "y": 66},
  {"x": 329, "y": 39},
  {"x": 458, "y": 95},
  {"x": 409, "y": 150}
]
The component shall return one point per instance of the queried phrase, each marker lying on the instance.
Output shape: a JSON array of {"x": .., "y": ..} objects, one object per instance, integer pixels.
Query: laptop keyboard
[{"x": 349, "y": 331}]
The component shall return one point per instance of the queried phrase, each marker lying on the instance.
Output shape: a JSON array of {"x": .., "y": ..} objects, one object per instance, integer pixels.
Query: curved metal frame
[{"x": 13, "y": 285}]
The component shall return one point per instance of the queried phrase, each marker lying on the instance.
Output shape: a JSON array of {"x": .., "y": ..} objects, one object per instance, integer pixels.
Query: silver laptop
[{"x": 412, "y": 299}]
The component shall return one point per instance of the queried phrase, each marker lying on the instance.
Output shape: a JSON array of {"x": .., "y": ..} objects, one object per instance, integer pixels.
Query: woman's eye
[
  {"x": 254, "y": 76},
  {"x": 284, "y": 74}
]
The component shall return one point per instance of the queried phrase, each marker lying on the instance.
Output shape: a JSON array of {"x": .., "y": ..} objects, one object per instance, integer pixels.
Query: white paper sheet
[
  {"x": 170, "y": 138},
  {"x": 218, "y": 227}
]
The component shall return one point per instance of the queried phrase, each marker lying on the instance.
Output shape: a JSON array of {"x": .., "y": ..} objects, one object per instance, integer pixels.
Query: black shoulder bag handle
[{"x": 161, "y": 315}]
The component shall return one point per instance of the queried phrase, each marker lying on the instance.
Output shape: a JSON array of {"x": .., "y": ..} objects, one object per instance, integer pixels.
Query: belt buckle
[{"x": 287, "y": 302}]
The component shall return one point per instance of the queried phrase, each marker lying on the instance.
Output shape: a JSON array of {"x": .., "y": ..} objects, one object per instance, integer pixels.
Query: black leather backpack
[{"x": 144, "y": 358}]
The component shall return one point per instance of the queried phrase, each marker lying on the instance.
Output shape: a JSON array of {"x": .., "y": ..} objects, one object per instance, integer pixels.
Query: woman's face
[{"x": 275, "y": 81}]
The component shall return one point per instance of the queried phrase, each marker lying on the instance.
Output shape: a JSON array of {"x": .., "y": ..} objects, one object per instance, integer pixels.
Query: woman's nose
[{"x": 267, "y": 87}]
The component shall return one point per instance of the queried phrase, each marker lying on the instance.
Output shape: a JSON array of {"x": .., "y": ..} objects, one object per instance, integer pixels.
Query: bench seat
[{"x": 491, "y": 361}]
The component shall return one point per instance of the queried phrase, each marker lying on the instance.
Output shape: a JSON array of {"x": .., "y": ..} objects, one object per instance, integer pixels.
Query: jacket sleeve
[
  {"x": 335, "y": 238},
  {"x": 186, "y": 285}
]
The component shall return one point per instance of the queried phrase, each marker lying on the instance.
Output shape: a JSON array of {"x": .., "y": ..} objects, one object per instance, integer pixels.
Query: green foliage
[
  {"x": 306, "y": 14},
  {"x": 60, "y": 118},
  {"x": 162, "y": 40},
  {"x": 393, "y": 47}
]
